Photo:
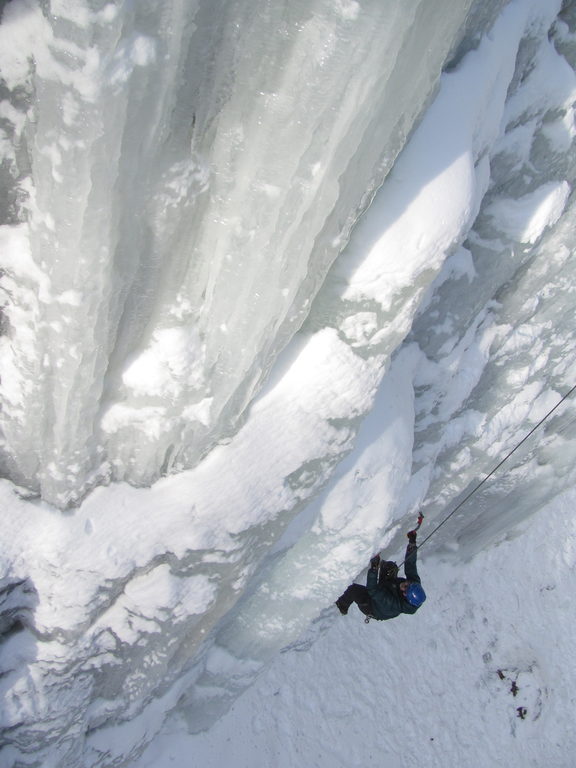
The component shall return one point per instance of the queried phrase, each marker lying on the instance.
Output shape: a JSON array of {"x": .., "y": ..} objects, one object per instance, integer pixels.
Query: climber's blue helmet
[{"x": 415, "y": 595}]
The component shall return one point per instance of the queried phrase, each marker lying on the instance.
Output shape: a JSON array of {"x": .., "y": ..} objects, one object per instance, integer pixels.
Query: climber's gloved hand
[
  {"x": 388, "y": 570},
  {"x": 411, "y": 537},
  {"x": 375, "y": 562}
]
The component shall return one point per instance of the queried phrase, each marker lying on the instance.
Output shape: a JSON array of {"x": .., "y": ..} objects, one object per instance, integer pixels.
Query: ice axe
[{"x": 412, "y": 534}]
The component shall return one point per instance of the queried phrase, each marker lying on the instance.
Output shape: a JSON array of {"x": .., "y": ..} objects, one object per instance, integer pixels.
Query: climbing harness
[{"x": 481, "y": 483}]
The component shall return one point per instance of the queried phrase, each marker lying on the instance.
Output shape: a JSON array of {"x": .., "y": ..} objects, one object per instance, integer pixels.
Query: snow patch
[{"x": 525, "y": 218}]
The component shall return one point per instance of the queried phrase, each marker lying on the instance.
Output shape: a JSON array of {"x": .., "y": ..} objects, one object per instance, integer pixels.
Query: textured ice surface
[
  {"x": 189, "y": 172},
  {"x": 165, "y": 237}
]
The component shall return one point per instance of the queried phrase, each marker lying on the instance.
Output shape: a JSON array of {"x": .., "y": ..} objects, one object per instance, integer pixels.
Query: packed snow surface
[{"x": 480, "y": 676}]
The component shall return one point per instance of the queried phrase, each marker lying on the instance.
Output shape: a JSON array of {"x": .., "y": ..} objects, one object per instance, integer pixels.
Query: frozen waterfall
[
  {"x": 274, "y": 275},
  {"x": 184, "y": 174}
]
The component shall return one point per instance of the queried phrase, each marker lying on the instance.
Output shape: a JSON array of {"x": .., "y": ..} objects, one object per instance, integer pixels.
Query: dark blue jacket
[{"x": 387, "y": 600}]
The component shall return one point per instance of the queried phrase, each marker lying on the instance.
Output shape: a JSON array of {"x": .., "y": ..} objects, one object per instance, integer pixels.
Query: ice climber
[{"x": 385, "y": 595}]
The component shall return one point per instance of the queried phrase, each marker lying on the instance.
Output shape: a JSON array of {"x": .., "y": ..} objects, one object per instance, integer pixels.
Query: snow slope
[{"x": 440, "y": 689}]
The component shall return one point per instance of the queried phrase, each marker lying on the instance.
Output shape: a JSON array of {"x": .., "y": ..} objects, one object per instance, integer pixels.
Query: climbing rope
[{"x": 489, "y": 475}]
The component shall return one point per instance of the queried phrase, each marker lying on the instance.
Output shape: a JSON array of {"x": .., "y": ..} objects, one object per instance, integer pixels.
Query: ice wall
[
  {"x": 482, "y": 194},
  {"x": 437, "y": 338},
  {"x": 184, "y": 174}
]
